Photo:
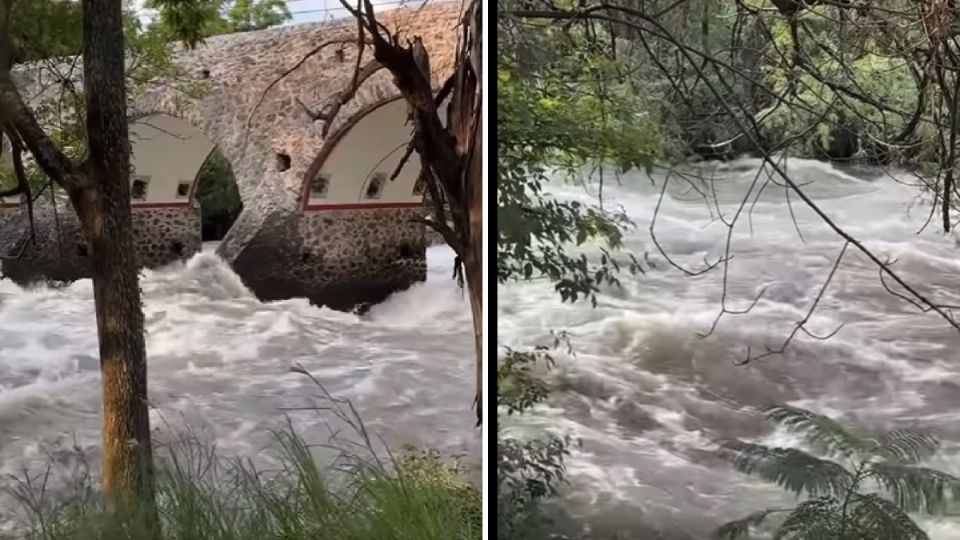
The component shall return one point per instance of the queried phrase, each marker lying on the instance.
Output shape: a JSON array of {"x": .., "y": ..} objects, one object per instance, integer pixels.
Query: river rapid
[
  {"x": 219, "y": 365},
  {"x": 649, "y": 397}
]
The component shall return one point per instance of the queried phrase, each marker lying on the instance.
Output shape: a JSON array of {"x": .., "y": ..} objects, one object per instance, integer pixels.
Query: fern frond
[
  {"x": 824, "y": 433},
  {"x": 816, "y": 519},
  {"x": 740, "y": 528},
  {"x": 907, "y": 447},
  {"x": 916, "y": 489},
  {"x": 872, "y": 517},
  {"x": 791, "y": 469}
]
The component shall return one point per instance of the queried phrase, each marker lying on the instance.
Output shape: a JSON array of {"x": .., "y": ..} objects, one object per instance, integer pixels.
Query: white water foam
[
  {"x": 650, "y": 398},
  {"x": 219, "y": 359}
]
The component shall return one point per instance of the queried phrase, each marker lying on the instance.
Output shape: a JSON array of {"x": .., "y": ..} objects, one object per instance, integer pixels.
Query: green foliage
[
  {"x": 217, "y": 189},
  {"x": 518, "y": 385},
  {"x": 543, "y": 129},
  {"x": 203, "y": 496},
  {"x": 46, "y": 29},
  {"x": 834, "y": 75},
  {"x": 862, "y": 488},
  {"x": 574, "y": 110},
  {"x": 53, "y": 28},
  {"x": 190, "y": 21},
  {"x": 528, "y": 471},
  {"x": 70, "y": 137},
  {"x": 247, "y": 15}
]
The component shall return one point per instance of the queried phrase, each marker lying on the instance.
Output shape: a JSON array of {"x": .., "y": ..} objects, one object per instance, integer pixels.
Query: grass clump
[{"x": 413, "y": 495}]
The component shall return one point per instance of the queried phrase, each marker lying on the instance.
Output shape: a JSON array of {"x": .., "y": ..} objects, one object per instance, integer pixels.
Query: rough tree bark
[
  {"x": 465, "y": 122},
  {"x": 108, "y": 226},
  {"x": 99, "y": 189}
]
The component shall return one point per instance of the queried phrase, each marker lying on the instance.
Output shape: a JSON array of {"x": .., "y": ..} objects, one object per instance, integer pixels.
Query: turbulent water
[
  {"x": 219, "y": 363},
  {"x": 649, "y": 397}
]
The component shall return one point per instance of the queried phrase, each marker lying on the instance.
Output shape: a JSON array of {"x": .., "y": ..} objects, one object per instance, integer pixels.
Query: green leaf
[
  {"x": 873, "y": 517},
  {"x": 582, "y": 236},
  {"x": 792, "y": 469},
  {"x": 824, "y": 433},
  {"x": 916, "y": 489},
  {"x": 907, "y": 447},
  {"x": 817, "y": 519}
]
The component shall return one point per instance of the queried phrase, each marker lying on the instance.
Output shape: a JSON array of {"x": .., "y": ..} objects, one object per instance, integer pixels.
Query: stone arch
[
  {"x": 174, "y": 153},
  {"x": 227, "y": 79},
  {"x": 219, "y": 211}
]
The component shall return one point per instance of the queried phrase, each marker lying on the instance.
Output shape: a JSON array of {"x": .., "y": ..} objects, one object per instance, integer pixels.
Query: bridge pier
[{"x": 327, "y": 209}]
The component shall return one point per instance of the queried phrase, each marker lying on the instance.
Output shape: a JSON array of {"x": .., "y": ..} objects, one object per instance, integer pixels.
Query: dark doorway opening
[{"x": 219, "y": 198}]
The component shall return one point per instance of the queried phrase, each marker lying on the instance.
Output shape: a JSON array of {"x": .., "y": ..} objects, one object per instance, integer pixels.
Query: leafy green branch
[{"x": 861, "y": 488}]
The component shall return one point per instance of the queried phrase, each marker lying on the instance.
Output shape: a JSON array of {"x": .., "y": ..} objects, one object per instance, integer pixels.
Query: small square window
[
  {"x": 420, "y": 185},
  {"x": 319, "y": 186},
  {"x": 375, "y": 187},
  {"x": 183, "y": 190},
  {"x": 139, "y": 190}
]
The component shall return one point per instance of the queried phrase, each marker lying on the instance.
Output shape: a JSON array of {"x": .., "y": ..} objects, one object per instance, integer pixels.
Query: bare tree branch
[
  {"x": 604, "y": 12},
  {"x": 328, "y": 113},
  {"x": 51, "y": 159},
  {"x": 303, "y": 60}
]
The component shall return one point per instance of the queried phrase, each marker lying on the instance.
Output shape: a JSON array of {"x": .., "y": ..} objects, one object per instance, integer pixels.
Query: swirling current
[
  {"x": 649, "y": 396},
  {"x": 219, "y": 365}
]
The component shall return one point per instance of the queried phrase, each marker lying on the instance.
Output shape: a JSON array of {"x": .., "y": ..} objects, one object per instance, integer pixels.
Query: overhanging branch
[
  {"x": 328, "y": 112},
  {"x": 48, "y": 155}
]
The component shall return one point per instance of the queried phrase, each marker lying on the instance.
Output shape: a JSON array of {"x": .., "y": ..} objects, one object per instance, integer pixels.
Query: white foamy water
[
  {"x": 219, "y": 362},
  {"x": 649, "y": 397}
]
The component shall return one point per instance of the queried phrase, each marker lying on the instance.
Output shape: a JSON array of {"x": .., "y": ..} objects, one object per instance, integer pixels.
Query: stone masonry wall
[
  {"x": 365, "y": 244},
  {"x": 165, "y": 235},
  {"x": 162, "y": 236},
  {"x": 347, "y": 258}
]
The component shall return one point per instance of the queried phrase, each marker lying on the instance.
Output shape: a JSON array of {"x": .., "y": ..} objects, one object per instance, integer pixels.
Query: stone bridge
[{"x": 320, "y": 216}]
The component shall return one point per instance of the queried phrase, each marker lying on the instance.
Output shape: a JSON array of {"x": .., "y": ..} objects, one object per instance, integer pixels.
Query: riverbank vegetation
[
  {"x": 855, "y": 486},
  {"x": 589, "y": 91},
  {"x": 363, "y": 493}
]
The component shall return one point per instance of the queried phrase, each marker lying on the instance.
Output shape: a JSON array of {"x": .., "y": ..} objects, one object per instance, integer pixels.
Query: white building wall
[
  {"x": 166, "y": 151},
  {"x": 375, "y": 144}
]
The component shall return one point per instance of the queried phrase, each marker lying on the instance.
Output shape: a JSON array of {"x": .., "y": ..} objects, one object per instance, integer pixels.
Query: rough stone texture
[
  {"x": 346, "y": 257},
  {"x": 265, "y": 242},
  {"x": 163, "y": 236}
]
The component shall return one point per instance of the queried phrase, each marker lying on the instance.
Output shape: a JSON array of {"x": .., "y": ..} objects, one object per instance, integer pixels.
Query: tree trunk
[
  {"x": 465, "y": 123},
  {"x": 473, "y": 260},
  {"x": 105, "y": 214},
  {"x": 454, "y": 153},
  {"x": 473, "y": 268}
]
